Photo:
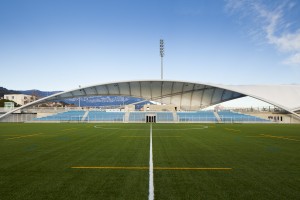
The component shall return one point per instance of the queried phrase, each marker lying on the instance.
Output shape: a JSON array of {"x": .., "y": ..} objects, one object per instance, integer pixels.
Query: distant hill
[
  {"x": 4, "y": 91},
  {"x": 38, "y": 93},
  {"x": 84, "y": 101},
  {"x": 28, "y": 92}
]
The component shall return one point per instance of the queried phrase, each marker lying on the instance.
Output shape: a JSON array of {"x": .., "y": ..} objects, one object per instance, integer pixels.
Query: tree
[{"x": 2, "y": 101}]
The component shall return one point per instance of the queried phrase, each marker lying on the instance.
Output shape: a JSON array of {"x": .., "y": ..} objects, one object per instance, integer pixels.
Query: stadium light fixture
[{"x": 162, "y": 53}]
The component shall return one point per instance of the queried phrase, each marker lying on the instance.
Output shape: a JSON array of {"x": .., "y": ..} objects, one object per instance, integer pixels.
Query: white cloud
[
  {"x": 293, "y": 60},
  {"x": 270, "y": 21}
]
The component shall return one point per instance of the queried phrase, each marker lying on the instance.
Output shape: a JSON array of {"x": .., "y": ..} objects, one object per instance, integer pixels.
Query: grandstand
[
  {"x": 179, "y": 102},
  {"x": 64, "y": 116},
  {"x": 229, "y": 116},
  {"x": 160, "y": 117},
  {"x": 102, "y": 116},
  {"x": 200, "y": 116},
  {"x": 165, "y": 116},
  {"x": 137, "y": 116}
]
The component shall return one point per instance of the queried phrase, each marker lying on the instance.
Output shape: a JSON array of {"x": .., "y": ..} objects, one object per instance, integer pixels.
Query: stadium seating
[
  {"x": 164, "y": 116},
  {"x": 64, "y": 116},
  {"x": 137, "y": 116},
  {"x": 201, "y": 116},
  {"x": 229, "y": 116},
  {"x": 105, "y": 116},
  {"x": 160, "y": 116}
]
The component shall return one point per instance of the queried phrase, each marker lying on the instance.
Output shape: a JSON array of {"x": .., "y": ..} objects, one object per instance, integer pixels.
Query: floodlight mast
[{"x": 162, "y": 53}]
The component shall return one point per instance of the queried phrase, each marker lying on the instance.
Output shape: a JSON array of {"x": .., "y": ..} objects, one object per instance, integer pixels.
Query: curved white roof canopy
[{"x": 184, "y": 94}]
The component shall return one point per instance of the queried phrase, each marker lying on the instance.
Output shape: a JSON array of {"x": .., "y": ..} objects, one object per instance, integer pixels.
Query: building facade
[{"x": 21, "y": 99}]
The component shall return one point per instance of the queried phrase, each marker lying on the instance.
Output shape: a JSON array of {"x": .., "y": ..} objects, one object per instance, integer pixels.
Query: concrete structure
[
  {"x": 9, "y": 106},
  {"x": 129, "y": 108},
  {"x": 186, "y": 95},
  {"x": 21, "y": 99},
  {"x": 171, "y": 108}
]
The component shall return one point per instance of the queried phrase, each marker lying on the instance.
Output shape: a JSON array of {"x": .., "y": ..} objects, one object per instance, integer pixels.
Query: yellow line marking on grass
[
  {"x": 191, "y": 168},
  {"x": 69, "y": 129},
  {"x": 230, "y": 129},
  {"x": 156, "y": 168},
  {"x": 166, "y": 136},
  {"x": 285, "y": 138},
  {"x": 100, "y": 167},
  {"x": 24, "y": 136},
  {"x": 135, "y": 136},
  {"x": 276, "y": 136},
  {"x": 256, "y": 136},
  {"x": 9, "y": 135}
]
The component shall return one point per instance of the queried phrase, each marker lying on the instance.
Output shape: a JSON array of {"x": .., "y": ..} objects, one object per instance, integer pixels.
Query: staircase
[
  {"x": 217, "y": 116},
  {"x": 85, "y": 115},
  {"x": 126, "y": 117},
  {"x": 175, "y": 117}
]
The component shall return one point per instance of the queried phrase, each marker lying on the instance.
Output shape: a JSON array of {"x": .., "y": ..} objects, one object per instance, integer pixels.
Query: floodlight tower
[{"x": 162, "y": 53}]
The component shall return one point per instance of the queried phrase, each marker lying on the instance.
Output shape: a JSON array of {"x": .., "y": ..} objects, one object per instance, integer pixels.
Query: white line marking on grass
[
  {"x": 101, "y": 127},
  {"x": 162, "y": 129},
  {"x": 151, "y": 183},
  {"x": 172, "y": 129}
]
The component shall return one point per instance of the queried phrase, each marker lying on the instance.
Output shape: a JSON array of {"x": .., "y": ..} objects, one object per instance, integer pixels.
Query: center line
[{"x": 151, "y": 184}]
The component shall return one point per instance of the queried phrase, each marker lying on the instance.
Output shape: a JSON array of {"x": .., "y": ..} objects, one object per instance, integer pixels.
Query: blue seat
[
  {"x": 137, "y": 116},
  {"x": 203, "y": 116},
  {"x": 164, "y": 116},
  {"x": 64, "y": 116},
  {"x": 230, "y": 116},
  {"x": 105, "y": 116}
]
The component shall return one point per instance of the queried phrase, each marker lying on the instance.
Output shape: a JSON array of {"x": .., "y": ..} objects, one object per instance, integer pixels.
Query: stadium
[
  {"x": 178, "y": 101},
  {"x": 171, "y": 138},
  {"x": 75, "y": 153}
]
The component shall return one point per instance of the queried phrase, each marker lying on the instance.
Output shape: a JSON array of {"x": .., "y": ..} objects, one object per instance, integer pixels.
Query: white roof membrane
[{"x": 186, "y": 95}]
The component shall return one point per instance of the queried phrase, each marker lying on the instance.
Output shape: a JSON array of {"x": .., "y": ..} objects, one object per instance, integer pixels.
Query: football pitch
[{"x": 114, "y": 161}]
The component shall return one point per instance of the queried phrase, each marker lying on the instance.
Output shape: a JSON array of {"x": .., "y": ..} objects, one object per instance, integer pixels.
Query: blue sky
[{"x": 60, "y": 44}]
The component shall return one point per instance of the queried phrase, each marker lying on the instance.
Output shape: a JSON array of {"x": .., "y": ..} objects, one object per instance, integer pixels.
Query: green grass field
[{"x": 37, "y": 161}]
